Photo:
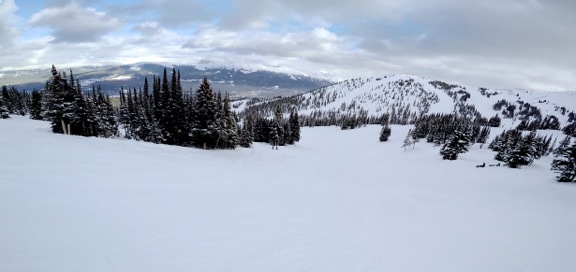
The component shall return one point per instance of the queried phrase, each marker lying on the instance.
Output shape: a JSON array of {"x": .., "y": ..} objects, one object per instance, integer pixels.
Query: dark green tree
[
  {"x": 36, "y": 105},
  {"x": 204, "y": 125},
  {"x": 565, "y": 165},
  {"x": 458, "y": 143}
]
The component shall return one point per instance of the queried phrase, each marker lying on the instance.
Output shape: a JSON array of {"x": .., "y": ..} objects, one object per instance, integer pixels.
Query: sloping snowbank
[{"x": 336, "y": 201}]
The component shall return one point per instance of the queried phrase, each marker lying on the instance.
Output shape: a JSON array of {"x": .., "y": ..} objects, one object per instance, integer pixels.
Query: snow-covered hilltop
[{"x": 410, "y": 96}]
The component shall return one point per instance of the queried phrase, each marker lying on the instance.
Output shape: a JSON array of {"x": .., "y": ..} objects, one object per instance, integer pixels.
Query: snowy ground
[{"x": 337, "y": 201}]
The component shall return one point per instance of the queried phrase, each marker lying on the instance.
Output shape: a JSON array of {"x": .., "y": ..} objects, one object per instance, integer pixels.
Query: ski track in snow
[{"x": 336, "y": 201}]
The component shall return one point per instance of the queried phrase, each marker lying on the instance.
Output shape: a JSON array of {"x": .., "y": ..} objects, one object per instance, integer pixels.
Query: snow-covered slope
[
  {"x": 396, "y": 93},
  {"x": 336, "y": 201}
]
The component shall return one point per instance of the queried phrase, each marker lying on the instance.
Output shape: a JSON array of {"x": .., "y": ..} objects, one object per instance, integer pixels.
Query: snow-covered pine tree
[
  {"x": 408, "y": 140},
  {"x": 228, "y": 135},
  {"x": 204, "y": 124},
  {"x": 56, "y": 90},
  {"x": 562, "y": 146},
  {"x": 277, "y": 132},
  {"x": 524, "y": 152},
  {"x": 565, "y": 164},
  {"x": 4, "y": 113},
  {"x": 246, "y": 135},
  {"x": 570, "y": 129},
  {"x": 483, "y": 136},
  {"x": 508, "y": 141},
  {"x": 552, "y": 147},
  {"x": 458, "y": 143}
]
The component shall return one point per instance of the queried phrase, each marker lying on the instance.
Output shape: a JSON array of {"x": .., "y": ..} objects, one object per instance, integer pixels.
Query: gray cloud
[
  {"x": 492, "y": 43},
  {"x": 7, "y": 29},
  {"x": 73, "y": 23}
]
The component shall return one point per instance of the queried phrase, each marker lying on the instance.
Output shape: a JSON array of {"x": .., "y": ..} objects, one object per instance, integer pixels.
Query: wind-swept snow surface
[{"x": 337, "y": 201}]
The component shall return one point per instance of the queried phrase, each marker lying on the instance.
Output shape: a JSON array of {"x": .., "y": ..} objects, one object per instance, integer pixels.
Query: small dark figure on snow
[{"x": 481, "y": 165}]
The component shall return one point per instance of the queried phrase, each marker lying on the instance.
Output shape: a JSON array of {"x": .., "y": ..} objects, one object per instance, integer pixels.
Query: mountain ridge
[
  {"x": 374, "y": 96},
  {"x": 239, "y": 82}
]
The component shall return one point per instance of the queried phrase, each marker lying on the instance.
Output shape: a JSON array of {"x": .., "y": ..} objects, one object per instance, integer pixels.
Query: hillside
[
  {"x": 336, "y": 201},
  {"x": 415, "y": 96}
]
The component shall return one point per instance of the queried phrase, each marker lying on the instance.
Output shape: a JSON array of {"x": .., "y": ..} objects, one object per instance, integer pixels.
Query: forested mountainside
[{"x": 406, "y": 98}]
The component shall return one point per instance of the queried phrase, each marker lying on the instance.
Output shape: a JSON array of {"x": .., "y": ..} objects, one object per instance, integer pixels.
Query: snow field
[{"x": 336, "y": 201}]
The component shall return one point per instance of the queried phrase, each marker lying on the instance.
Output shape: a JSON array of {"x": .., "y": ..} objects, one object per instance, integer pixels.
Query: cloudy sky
[{"x": 493, "y": 43}]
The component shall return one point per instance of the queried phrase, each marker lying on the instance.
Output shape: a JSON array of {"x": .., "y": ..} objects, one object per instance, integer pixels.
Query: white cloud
[
  {"x": 73, "y": 23},
  {"x": 492, "y": 43},
  {"x": 7, "y": 18}
]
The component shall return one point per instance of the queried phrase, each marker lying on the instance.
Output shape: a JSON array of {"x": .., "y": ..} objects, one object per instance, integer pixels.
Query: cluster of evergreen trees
[
  {"x": 70, "y": 111},
  {"x": 516, "y": 150},
  {"x": 203, "y": 119},
  {"x": 13, "y": 102},
  {"x": 549, "y": 122},
  {"x": 277, "y": 131},
  {"x": 440, "y": 128}
]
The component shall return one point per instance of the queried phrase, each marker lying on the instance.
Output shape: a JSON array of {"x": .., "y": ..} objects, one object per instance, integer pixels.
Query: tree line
[{"x": 158, "y": 112}]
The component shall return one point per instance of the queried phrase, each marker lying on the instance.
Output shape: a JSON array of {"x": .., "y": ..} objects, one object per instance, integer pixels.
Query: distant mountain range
[{"x": 237, "y": 82}]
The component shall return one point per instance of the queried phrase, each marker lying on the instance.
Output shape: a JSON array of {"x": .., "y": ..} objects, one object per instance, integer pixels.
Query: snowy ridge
[{"x": 401, "y": 93}]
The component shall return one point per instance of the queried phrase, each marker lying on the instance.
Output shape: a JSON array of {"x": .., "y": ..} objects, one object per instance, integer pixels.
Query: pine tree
[
  {"x": 457, "y": 144},
  {"x": 57, "y": 90},
  {"x": 562, "y": 146},
  {"x": 228, "y": 135},
  {"x": 107, "y": 116},
  {"x": 565, "y": 165},
  {"x": 408, "y": 140},
  {"x": 385, "y": 133},
  {"x": 508, "y": 141},
  {"x": 36, "y": 106},
  {"x": 173, "y": 123},
  {"x": 204, "y": 124},
  {"x": 523, "y": 153},
  {"x": 4, "y": 113},
  {"x": 277, "y": 131},
  {"x": 246, "y": 136},
  {"x": 295, "y": 127},
  {"x": 483, "y": 136}
]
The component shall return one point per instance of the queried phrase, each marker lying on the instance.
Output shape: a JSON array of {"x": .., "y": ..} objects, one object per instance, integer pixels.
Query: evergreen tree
[
  {"x": 565, "y": 165},
  {"x": 174, "y": 125},
  {"x": 295, "y": 127},
  {"x": 204, "y": 123},
  {"x": 458, "y": 143},
  {"x": 228, "y": 136},
  {"x": 483, "y": 136},
  {"x": 562, "y": 146},
  {"x": 570, "y": 129},
  {"x": 277, "y": 131},
  {"x": 408, "y": 140},
  {"x": 385, "y": 133},
  {"x": 246, "y": 136},
  {"x": 107, "y": 116},
  {"x": 4, "y": 113},
  {"x": 36, "y": 106},
  {"x": 523, "y": 153},
  {"x": 494, "y": 121},
  {"x": 57, "y": 90}
]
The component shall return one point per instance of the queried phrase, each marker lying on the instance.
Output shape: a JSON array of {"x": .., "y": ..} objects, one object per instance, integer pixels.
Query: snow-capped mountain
[
  {"x": 236, "y": 81},
  {"x": 415, "y": 96}
]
